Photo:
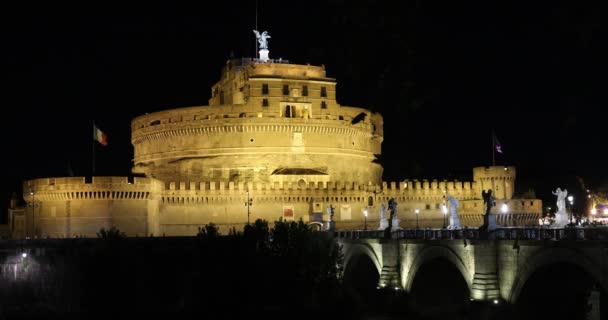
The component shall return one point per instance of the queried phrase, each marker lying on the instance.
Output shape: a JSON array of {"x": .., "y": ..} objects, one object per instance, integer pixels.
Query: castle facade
[{"x": 272, "y": 143}]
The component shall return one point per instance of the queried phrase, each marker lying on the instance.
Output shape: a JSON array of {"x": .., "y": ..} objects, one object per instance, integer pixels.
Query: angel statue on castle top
[{"x": 262, "y": 38}]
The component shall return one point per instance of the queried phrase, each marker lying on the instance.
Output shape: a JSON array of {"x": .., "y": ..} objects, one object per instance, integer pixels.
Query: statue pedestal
[
  {"x": 396, "y": 224},
  {"x": 263, "y": 55},
  {"x": 331, "y": 226},
  {"x": 489, "y": 222},
  {"x": 454, "y": 222},
  {"x": 561, "y": 219},
  {"x": 383, "y": 224}
]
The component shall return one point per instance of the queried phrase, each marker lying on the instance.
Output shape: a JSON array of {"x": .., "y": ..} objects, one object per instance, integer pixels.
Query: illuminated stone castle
[{"x": 273, "y": 133}]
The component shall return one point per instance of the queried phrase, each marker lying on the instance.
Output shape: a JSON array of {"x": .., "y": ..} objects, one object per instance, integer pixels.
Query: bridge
[{"x": 495, "y": 268}]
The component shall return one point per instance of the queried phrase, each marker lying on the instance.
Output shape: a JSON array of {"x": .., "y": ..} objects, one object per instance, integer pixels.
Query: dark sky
[{"x": 443, "y": 76}]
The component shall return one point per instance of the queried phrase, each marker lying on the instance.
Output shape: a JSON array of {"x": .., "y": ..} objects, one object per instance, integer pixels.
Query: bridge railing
[{"x": 512, "y": 233}]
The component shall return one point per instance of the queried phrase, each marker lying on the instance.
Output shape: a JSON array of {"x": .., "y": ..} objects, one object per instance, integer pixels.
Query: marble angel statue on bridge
[{"x": 454, "y": 219}]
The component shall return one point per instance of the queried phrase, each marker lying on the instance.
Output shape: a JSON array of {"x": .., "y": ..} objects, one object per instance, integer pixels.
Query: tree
[
  {"x": 208, "y": 231},
  {"x": 111, "y": 234}
]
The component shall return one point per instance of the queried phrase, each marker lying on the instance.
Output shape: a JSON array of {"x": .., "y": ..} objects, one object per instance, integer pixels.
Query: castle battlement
[
  {"x": 236, "y": 187},
  {"x": 76, "y": 188},
  {"x": 404, "y": 190}
]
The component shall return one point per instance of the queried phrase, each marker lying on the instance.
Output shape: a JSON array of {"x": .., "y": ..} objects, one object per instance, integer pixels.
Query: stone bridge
[{"x": 494, "y": 269}]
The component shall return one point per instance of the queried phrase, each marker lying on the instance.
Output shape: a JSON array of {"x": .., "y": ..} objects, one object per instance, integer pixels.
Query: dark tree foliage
[
  {"x": 271, "y": 270},
  {"x": 110, "y": 234},
  {"x": 208, "y": 231}
]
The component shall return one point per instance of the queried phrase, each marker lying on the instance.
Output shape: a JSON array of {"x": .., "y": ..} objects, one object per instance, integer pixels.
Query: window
[
  {"x": 323, "y": 92},
  {"x": 305, "y": 91},
  {"x": 428, "y": 207},
  {"x": 290, "y": 111},
  {"x": 265, "y": 88},
  {"x": 323, "y": 105},
  {"x": 265, "y": 103},
  {"x": 285, "y": 90}
]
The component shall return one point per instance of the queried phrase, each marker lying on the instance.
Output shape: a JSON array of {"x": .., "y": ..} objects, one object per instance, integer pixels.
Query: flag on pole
[
  {"x": 100, "y": 136},
  {"x": 497, "y": 145}
]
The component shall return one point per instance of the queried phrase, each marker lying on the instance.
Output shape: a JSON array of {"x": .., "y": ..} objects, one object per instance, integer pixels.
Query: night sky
[{"x": 443, "y": 77}]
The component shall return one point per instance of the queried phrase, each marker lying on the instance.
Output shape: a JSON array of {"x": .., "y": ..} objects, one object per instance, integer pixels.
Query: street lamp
[
  {"x": 248, "y": 203},
  {"x": 504, "y": 208},
  {"x": 445, "y": 214},
  {"x": 571, "y": 200},
  {"x": 417, "y": 212},
  {"x": 33, "y": 212},
  {"x": 365, "y": 217}
]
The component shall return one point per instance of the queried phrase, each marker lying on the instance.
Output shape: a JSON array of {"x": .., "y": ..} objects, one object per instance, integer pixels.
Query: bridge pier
[
  {"x": 391, "y": 261},
  {"x": 485, "y": 279}
]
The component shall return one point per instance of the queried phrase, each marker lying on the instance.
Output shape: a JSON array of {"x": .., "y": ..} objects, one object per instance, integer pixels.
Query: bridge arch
[
  {"x": 356, "y": 250},
  {"x": 431, "y": 253},
  {"x": 556, "y": 255}
]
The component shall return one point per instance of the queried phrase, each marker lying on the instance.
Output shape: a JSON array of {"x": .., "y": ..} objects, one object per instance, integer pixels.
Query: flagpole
[
  {"x": 493, "y": 149},
  {"x": 93, "y": 149}
]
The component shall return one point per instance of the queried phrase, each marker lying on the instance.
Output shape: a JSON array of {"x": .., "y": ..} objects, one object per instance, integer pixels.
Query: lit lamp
[
  {"x": 504, "y": 208},
  {"x": 365, "y": 217},
  {"x": 248, "y": 203},
  {"x": 444, "y": 208},
  {"x": 593, "y": 213},
  {"x": 33, "y": 212},
  {"x": 417, "y": 212},
  {"x": 571, "y": 200}
]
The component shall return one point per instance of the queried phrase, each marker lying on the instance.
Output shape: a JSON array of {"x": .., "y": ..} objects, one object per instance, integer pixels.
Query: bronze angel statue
[
  {"x": 488, "y": 200},
  {"x": 262, "y": 38}
]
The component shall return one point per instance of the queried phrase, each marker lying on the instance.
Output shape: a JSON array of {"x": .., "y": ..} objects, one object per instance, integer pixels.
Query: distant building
[{"x": 274, "y": 133}]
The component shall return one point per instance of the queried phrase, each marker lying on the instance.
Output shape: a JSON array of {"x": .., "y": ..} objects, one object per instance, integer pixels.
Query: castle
[{"x": 272, "y": 143}]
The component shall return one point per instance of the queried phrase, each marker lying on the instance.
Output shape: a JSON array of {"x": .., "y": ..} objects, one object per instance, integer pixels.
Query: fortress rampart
[
  {"x": 65, "y": 207},
  {"x": 70, "y": 206}
]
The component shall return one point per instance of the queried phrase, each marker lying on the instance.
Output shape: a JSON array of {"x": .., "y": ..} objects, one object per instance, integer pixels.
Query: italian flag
[{"x": 100, "y": 136}]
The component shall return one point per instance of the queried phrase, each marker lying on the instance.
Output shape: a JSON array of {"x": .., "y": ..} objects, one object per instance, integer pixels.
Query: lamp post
[
  {"x": 444, "y": 208},
  {"x": 365, "y": 217},
  {"x": 248, "y": 203},
  {"x": 417, "y": 212},
  {"x": 571, "y": 200},
  {"x": 33, "y": 212}
]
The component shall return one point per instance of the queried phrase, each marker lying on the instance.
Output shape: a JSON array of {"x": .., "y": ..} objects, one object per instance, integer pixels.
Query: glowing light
[
  {"x": 593, "y": 211},
  {"x": 365, "y": 213},
  {"x": 417, "y": 211},
  {"x": 605, "y": 211},
  {"x": 24, "y": 255},
  {"x": 444, "y": 208},
  {"x": 495, "y": 301},
  {"x": 504, "y": 208}
]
